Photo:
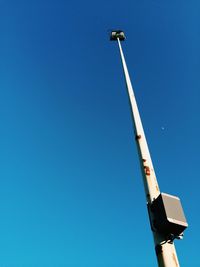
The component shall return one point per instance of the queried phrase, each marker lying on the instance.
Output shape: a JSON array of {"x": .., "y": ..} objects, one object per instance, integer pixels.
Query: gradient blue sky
[{"x": 71, "y": 192}]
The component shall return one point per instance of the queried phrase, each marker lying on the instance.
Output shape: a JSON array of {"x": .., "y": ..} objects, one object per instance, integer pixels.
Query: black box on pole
[{"x": 169, "y": 217}]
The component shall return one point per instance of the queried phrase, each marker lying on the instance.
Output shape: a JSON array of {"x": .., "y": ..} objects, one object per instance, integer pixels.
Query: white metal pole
[{"x": 165, "y": 250}]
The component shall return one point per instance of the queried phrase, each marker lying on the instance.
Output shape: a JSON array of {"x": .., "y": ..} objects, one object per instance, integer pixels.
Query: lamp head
[{"x": 117, "y": 34}]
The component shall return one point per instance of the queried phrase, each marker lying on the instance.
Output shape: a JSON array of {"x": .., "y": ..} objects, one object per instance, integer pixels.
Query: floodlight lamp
[{"x": 117, "y": 34}]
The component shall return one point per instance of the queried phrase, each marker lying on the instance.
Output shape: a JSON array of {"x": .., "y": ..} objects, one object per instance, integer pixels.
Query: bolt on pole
[{"x": 161, "y": 207}]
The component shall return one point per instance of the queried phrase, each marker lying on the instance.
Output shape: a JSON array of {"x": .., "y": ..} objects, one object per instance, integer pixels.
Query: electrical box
[
  {"x": 168, "y": 214},
  {"x": 117, "y": 34}
]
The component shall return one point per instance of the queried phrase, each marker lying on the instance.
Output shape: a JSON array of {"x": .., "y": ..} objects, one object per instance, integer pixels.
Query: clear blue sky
[{"x": 71, "y": 192}]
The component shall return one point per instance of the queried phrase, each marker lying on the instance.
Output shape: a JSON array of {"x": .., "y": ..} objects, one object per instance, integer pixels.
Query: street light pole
[{"x": 161, "y": 207}]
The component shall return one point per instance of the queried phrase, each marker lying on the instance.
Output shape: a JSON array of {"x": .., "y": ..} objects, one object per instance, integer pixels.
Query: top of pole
[{"x": 117, "y": 34}]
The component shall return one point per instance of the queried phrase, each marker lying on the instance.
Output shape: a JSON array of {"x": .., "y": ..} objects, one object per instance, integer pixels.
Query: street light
[{"x": 167, "y": 219}]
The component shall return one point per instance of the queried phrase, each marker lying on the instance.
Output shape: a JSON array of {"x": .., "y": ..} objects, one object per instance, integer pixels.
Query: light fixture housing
[{"x": 117, "y": 34}]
